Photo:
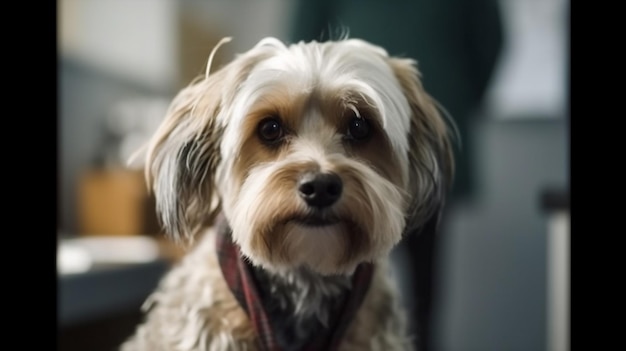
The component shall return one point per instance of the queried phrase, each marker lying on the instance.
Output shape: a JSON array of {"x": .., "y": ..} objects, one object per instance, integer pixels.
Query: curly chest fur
[{"x": 193, "y": 309}]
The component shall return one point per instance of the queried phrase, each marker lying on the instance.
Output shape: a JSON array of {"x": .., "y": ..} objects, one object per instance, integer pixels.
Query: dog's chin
[
  {"x": 325, "y": 244},
  {"x": 320, "y": 244}
]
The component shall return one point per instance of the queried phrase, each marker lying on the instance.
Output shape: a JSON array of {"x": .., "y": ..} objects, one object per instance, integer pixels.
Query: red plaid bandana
[{"x": 238, "y": 275}]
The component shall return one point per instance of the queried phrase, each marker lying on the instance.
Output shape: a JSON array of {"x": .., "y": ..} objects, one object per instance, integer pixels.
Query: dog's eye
[
  {"x": 270, "y": 129},
  {"x": 358, "y": 128}
]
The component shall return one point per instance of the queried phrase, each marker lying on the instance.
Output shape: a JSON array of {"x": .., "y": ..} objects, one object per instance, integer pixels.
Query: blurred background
[{"x": 495, "y": 278}]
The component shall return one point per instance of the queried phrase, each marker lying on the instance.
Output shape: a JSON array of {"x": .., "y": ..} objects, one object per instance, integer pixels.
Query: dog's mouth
[{"x": 315, "y": 220}]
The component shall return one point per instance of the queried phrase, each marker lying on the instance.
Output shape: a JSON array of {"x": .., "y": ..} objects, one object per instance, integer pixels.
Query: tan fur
[
  {"x": 191, "y": 117},
  {"x": 333, "y": 109},
  {"x": 430, "y": 150},
  {"x": 193, "y": 309}
]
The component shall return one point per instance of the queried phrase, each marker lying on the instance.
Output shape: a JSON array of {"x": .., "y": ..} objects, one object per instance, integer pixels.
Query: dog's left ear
[{"x": 431, "y": 159}]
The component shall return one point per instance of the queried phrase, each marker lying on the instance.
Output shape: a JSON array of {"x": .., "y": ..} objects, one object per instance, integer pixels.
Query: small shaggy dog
[{"x": 296, "y": 169}]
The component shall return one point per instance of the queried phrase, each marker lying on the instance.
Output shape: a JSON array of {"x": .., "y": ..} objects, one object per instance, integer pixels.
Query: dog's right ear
[{"x": 184, "y": 153}]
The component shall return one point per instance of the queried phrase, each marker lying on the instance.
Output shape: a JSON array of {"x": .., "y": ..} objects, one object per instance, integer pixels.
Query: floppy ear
[
  {"x": 184, "y": 153},
  {"x": 182, "y": 158},
  {"x": 431, "y": 159}
]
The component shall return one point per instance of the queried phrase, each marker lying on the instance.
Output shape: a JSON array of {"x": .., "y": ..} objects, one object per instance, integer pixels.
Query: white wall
[
  {"x": 530, "y": 77},
  {"x": 135, "y": 39}
]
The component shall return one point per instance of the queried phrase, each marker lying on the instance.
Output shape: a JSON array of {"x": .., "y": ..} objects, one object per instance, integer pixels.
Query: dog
[{"x": 293, "y": 170}]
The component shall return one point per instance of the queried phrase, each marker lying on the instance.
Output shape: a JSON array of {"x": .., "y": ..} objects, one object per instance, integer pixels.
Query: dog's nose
[{"x": 320, "y": 189}]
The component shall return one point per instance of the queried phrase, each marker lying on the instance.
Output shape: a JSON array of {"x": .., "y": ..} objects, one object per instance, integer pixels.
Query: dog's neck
[
  {"x": 295, "y": 306},
  {"x": 300, "y": 301}
]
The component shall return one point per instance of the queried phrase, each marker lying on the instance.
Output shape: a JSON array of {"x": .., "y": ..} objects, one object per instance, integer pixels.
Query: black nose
[{"x": 320, "y": 189}]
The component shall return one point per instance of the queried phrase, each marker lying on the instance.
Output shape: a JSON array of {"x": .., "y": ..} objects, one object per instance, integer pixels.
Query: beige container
[{"x": 115, "y": 202}]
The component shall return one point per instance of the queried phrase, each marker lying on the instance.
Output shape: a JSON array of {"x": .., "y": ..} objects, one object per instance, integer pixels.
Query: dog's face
[{"x": 318, "y": 154}]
